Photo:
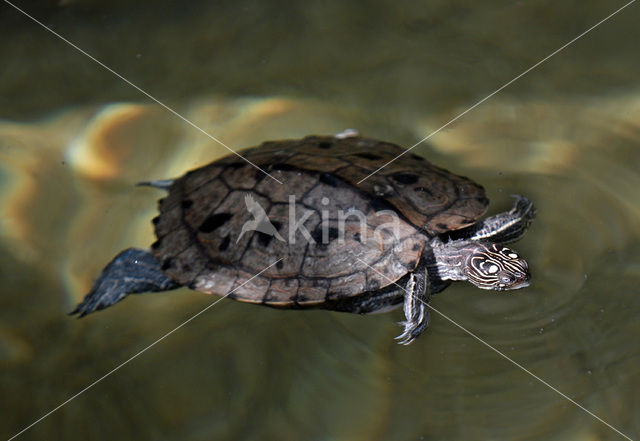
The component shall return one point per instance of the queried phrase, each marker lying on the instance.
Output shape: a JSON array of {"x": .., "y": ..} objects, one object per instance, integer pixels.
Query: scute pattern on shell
[
  {"x": 427, "y": 195},
  {"x": 201, "y": 218}
]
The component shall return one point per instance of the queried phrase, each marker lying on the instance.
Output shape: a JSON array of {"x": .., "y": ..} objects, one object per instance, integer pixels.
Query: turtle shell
[{"x": 334, "y": 231}]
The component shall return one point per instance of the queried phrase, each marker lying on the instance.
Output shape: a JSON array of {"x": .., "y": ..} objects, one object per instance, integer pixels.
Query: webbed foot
[{"x": 130, "y": 272}]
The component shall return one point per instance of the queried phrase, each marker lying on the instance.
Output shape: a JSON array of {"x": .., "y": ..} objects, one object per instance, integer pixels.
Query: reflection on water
[{"x": 68, "y": 204}]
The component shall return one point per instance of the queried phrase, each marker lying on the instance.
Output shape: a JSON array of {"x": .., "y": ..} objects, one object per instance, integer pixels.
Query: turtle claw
[
  {"x": 413, "y": 329},
  {"x": 405, "y": 338}
]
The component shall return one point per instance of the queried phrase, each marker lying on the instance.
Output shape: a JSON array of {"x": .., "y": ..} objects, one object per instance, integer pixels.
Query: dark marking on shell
[
  {"x": 225, "y": 243},
  {"x": 330, "y": 180},
  {"x": 378, "y": 204},
  {"x": 284, "y": 167},
  {"x": 417, "y": 157},
  {"x": 316, "y": 235},
  {"x": 325, "y": 144},
  {"x": 264, "y": 239},
  {"x": 442, "y": 226},
  {"x": 416, "y": 247},
  {"x": 405, "y": 178},
  {"x": 213, "y": 222},
  {"x": 369, "y": 156}
]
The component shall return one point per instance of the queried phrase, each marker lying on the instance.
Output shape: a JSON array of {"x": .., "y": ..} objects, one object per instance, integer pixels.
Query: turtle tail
[{"x": 132, "y": 271}]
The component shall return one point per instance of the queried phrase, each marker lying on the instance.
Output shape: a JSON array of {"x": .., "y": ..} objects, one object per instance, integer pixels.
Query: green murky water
[{"x": 566, "y": 135}]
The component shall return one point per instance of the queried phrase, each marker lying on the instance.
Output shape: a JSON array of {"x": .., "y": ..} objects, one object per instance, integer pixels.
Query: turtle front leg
[
  {"x": 132, "y": 271},
  {"x": 416, "y": 311},
  {"x": 506, "y": 227}
]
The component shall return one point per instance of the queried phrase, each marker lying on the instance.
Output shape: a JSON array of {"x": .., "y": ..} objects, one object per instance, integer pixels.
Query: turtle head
[{"x": 492, "y": 266}]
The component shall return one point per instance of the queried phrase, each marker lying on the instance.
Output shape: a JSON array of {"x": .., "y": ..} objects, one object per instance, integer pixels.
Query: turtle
[{"x": 342, "y": 223}]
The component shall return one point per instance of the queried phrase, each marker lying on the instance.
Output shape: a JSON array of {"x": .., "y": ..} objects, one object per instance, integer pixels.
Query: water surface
[{"x": 74, "y": 140}]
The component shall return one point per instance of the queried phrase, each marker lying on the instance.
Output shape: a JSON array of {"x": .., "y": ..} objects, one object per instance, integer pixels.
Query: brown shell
[{"x": 201, "y": 219}]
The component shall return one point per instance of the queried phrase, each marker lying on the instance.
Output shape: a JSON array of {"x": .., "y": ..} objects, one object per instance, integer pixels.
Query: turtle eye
[{"x": 507, "y": 279}]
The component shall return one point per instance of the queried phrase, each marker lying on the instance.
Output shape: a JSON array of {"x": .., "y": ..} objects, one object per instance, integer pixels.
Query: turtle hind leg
[
  {"x": 132, "y": 271},
  {"x": 416, "y": 311}
]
